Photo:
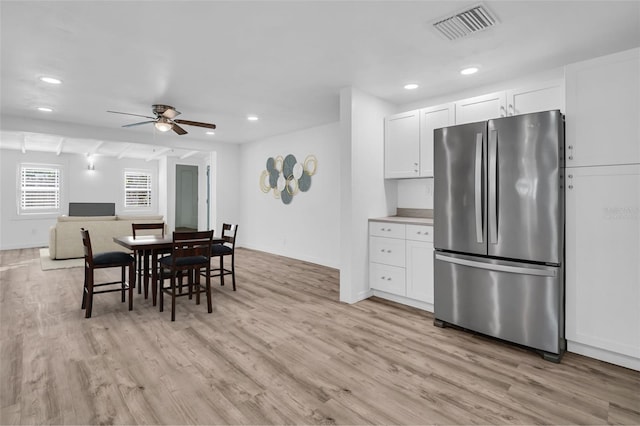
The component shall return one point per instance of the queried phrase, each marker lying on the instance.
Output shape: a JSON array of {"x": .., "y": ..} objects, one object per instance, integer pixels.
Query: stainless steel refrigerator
[{"x": 499, "y": 229}]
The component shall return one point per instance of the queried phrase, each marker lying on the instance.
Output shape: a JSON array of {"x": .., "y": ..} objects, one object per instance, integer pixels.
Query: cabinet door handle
[
  {"x": 570, "y": 148},
  {"x": 512, "y": 109}
]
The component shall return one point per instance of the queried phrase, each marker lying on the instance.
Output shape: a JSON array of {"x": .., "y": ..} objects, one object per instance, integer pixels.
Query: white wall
[
  {"x": 364, "y": 191},
  {"x": 104, "y": 184},
  {"x": 415, "y": 193},
  {"x": 308, "y": 227}
]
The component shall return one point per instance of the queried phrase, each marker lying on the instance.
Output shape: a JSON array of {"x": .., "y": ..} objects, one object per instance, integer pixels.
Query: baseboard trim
[{"x": 604, "y": 355}]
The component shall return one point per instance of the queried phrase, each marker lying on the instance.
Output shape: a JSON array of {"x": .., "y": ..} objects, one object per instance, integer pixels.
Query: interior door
[
  {"x": 525, "y": 198},
  {"x": 186, "y": 197},
  {"x": 459, "y": 188}
]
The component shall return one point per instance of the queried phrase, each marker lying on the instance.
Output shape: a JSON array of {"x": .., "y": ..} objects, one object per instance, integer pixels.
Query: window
[
  {"x": 137, "y": 189},
  {"x": 39, "y": 188}
]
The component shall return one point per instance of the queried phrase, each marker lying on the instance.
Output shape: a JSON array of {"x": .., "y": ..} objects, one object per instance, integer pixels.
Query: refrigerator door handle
[
  {"x": 478, "y": 188},
  {"x": 499, "y": 268},
  {"x": 493, "y": 187}
]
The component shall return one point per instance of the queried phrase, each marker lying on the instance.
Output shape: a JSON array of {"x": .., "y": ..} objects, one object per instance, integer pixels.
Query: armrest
[{"x": 52, "y": 242}]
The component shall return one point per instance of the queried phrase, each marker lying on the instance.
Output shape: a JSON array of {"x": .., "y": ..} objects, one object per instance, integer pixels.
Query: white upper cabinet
[
  {"x": 430, "y": 119},
  {"x": 402, "y": 145},
  {"x": 536, "y": 98},
  {"x": 481, "y": 108},
  {"x": 408, "y": 136},
  {"x": 603, "y": 110}
]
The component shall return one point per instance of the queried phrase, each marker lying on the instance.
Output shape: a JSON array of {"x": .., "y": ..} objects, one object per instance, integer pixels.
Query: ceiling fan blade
[
  {"x": 128, "y": 113},
  {"x": 171, "y": 113},
  {"x": 179, "y": 130},
  {"x": 137, "y": 124},
  {"x": 195, "y": 123}
]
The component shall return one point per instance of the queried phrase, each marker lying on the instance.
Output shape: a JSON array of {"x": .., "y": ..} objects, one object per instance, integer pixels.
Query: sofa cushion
[{"x": 85, "y": 218}]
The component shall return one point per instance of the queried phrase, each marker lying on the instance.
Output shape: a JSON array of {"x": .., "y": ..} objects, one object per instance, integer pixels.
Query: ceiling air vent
[{"x": 469, "y": 21}]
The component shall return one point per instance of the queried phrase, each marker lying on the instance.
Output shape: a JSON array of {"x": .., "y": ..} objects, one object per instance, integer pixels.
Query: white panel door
[
  {"x": 603, "y": 258},
  {"x": 402, "y": 145},
  {"x": 481, "y": 108},
  {"x": 603, "y": 110},
  {"x": 536, "y": 98},
  {"x": 420, "y": 270},
  {"x": 430, "y": 119}
]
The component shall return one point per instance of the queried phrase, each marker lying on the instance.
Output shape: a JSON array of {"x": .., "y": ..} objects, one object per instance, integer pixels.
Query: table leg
[
  {"x": 154, "y": 276},
  {"x": 146, "y": 254}
]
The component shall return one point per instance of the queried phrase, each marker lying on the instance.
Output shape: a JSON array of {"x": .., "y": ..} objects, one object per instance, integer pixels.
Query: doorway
[{"x": 186, "y": 198}]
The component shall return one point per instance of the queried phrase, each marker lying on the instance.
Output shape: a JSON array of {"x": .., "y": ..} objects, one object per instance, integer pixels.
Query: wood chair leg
[
  {"x": 233, "y": 271},
  {"x": 139, "y": 270},
  {"x": 173, "y": 297},
  {"x": 132, "y": 280},
  {"x": 123, "y": 285},
  {"x": 161, "y": 290},
  {"x": 89, "y": 294},
  {"x": 84, "y": 289},
  {"x": 208, "y": 289},
  {"x": 221, "y": 270},
  {"x": 197, "y": 285}
]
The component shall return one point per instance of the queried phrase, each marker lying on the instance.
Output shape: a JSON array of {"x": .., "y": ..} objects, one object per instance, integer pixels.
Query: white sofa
[{"x": 65, "y": 241}]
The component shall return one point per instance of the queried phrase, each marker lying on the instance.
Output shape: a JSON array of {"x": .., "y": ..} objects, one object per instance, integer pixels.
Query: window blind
[
  {"x": 137, "y": 189},
  {"x": 39, "y": 188}
]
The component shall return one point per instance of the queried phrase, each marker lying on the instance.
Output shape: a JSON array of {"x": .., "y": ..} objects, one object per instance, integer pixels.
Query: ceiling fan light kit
[
  {"x": 163, "y": 124},
  {"x": 165, "y": 119}
]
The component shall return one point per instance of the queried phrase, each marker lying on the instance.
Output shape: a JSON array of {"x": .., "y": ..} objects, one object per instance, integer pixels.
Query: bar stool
[{"x": 111, "y": 259}]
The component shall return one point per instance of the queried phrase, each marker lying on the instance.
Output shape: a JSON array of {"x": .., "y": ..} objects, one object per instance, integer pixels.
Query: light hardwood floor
[{"x": 280, "y": 350}]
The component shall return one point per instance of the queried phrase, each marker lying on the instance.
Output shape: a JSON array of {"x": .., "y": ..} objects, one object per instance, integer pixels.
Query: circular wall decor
[{"x": 287, "y": 177}]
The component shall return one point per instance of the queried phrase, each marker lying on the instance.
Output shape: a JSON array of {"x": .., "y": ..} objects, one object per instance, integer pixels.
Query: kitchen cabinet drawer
[
  {"x": 387, "y": 278},
  {"x": 419, "y": 233},
  {"x": 389, "y": 251},
  {"x": 385, "y": 229}
]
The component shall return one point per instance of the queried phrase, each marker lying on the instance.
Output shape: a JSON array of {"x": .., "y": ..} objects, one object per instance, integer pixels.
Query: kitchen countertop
[{"x": 404, "y": 219}]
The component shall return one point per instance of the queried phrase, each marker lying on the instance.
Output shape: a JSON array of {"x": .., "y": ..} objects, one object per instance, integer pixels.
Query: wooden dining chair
[
  {"x": 143, "y": 256},
  {"x": 227, "y": 248},
  {"x": 190, "y": 253},
  {"x": 111, "y": 259}
]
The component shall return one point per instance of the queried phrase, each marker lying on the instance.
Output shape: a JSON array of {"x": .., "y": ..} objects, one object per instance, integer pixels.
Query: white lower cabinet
[
  {"x": 420, "y": 271},
  {"x": 401, "y": 263},
  {"x": 603, "y": 263}
]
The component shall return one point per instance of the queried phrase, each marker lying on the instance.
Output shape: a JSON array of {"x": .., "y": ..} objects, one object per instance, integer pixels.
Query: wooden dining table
[{"x": 150, "y": 246}]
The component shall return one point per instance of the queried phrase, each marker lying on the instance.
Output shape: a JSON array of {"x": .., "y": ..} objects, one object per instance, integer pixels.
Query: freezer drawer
[{"x": 517, "y": 302}]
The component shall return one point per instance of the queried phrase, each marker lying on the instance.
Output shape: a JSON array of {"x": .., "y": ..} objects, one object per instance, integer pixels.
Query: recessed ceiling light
[
  {"x": 51, "y": 80},
  {"x": 469, "y": 70},
  {"x": 252, "y": 117},
  {"x": 411, "y": 86},
  {"x": 45, "y": 109},
  {"x": 210, "y": 132}
]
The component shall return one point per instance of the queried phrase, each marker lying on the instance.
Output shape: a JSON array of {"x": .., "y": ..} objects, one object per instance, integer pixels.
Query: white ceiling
[{"x": 286, "y": 61}]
